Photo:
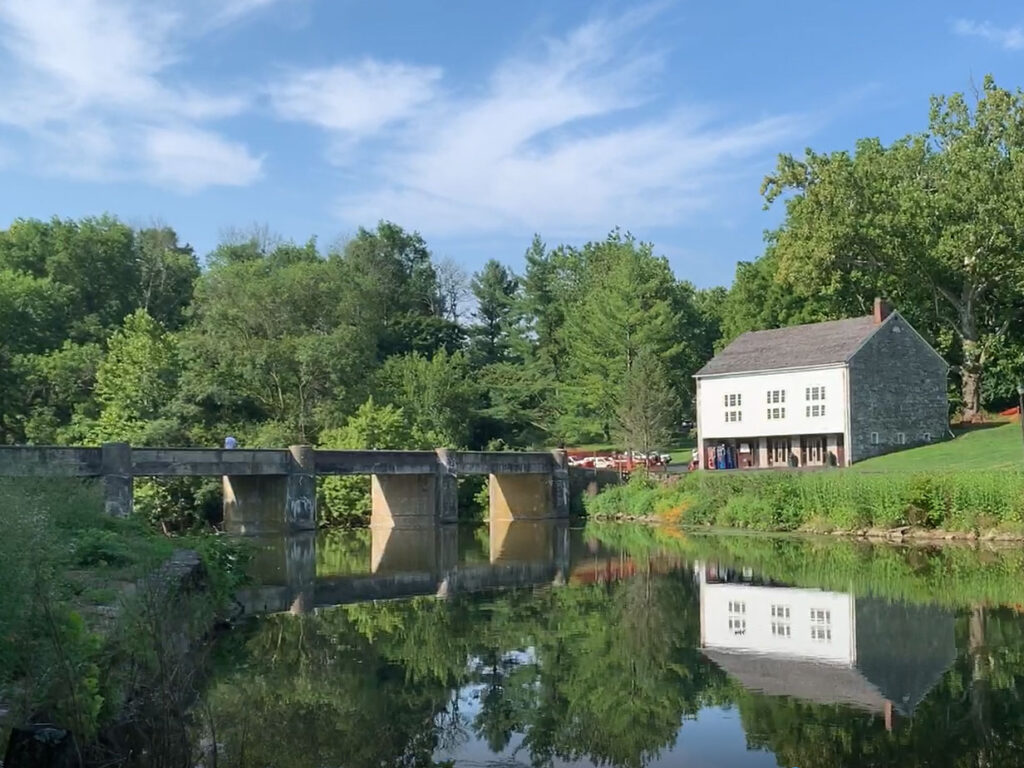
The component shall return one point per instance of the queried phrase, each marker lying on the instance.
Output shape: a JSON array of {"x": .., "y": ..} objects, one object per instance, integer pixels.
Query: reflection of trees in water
[{"x": 598, "y": 672}]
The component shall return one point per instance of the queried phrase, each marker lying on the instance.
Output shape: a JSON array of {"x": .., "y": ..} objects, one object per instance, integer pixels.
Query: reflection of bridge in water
[
  {"x": 430, "y": 560},
  {"x": 408, "y": 562}
]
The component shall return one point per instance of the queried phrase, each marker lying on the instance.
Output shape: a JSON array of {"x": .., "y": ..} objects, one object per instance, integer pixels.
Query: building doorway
[
  {"x": 814, "y": 450},
  {"x": 778, "y": 451}
]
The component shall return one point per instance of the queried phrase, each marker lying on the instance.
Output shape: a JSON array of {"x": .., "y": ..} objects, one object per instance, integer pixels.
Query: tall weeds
[{"x": 832, "y": 500}]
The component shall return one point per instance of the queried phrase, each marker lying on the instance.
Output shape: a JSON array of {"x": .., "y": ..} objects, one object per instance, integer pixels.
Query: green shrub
[
  {"x": 834, "y": 500},
  {"x": 101, "y": 548}
]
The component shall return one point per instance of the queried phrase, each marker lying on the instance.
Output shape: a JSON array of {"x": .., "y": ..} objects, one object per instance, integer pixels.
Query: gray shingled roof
[
  {"x": 797, "y": 346},
  {"x": 800, "y": 678}
]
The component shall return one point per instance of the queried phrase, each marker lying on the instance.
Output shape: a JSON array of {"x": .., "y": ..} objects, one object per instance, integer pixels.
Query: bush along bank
[
  {"x": 963, "y": 504},
  {"x": 100, "y": 622}
]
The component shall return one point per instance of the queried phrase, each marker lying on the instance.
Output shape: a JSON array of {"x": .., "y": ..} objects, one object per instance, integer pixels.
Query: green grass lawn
[{"x": 993, "y": 447}]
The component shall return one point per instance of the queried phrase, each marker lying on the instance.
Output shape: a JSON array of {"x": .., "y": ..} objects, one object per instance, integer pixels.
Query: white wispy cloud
[
  {"x": 1010, "y": 38},
  {"x": 230, "y": 11},
  {"x": 88, "y": 82},
  {"x": 357, "y": 99},
  {"x": 571, "y": 137}
]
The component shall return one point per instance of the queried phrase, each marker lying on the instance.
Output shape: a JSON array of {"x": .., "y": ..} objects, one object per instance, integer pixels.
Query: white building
[{"x": 821, "y": 394}]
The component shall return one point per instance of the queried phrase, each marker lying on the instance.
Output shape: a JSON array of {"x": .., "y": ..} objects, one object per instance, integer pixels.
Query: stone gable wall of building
[{"x": 897, "y": 385}]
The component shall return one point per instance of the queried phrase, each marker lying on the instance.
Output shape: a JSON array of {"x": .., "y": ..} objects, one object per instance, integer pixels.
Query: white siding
[
  {"x": 753, "y": 388},
  {"x": 821, "y": 624}
]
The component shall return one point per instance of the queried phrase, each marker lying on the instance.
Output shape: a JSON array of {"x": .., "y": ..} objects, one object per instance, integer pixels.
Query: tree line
[
  {"x": 115, "y": 333},
  {"x": 109, "y": 332}
]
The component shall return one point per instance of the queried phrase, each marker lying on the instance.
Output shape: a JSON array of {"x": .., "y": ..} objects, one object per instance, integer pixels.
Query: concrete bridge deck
[{"x": 268, "y": 489}]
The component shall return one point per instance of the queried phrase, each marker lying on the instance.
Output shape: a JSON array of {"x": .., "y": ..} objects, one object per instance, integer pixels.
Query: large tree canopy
[{"x": 934, "y": 221}]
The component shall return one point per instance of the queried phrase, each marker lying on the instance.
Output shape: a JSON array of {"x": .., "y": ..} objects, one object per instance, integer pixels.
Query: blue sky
[{"x": 476, "y": 122}]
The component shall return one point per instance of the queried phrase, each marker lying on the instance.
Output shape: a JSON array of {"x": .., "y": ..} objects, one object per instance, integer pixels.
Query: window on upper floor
[
  {"x": 814, "y": 393},
  {"x": 776, "y": 396},
  {"x": 813, "y": 411},
  {"x": 732, "y": 401},
  {"x": 821, "y": 625},
  {"x": 731, "y": 416},
  {"x": 776, "y": 413}
]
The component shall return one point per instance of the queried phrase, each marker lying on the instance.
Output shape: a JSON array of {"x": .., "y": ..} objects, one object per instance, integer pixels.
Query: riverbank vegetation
[
  {"x": 955, "y": 575},
  {"x": 979, "y": 503},
  {"x": 127, "y": 334},
  {"x": 82, "y": 630}
]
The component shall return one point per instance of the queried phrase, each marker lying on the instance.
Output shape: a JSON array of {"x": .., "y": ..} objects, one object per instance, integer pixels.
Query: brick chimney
[{"x": 882, "y": 310}]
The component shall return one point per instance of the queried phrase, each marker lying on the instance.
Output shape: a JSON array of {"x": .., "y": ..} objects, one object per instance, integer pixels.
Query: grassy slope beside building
[{"x": 973, "y": 485}]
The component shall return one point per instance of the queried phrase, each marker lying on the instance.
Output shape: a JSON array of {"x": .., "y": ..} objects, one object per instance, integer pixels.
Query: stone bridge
[{"x": 276, "y": 489}]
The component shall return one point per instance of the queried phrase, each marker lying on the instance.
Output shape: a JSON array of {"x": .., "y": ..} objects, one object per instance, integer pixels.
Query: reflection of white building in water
[{"x": 824, "y": 647}]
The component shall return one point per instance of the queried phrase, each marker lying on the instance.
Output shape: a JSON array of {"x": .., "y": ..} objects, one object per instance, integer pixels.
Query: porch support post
[{"x": 796, "y": 445}]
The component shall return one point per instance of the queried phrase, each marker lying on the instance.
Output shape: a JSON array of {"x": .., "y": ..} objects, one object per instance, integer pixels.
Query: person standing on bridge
[{"x": 230, "y": 442}]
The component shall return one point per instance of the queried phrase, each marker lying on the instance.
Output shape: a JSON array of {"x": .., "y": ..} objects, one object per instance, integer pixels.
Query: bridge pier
[
  {"x": 116, "y": 468},
  {"x": 560, "y": 484},
  {"x": 447, "y": 487},
  {"x": 520, "y": 497},
  {"x": 403, "y": 501},
  {"x": 259, "y": 503},
  {"x": 300, "y": 493},
  {"x": 416, "y": 500}
]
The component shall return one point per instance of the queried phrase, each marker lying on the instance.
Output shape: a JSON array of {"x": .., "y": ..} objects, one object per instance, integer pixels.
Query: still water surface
[{"x": 531, "y": 644}]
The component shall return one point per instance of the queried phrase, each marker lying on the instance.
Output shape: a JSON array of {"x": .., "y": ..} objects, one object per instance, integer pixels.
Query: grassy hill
[{"x": 987, "y": 447}]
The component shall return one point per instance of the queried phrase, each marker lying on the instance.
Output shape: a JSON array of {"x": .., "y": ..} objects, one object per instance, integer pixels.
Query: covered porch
[{"x": 773, "y": 452}]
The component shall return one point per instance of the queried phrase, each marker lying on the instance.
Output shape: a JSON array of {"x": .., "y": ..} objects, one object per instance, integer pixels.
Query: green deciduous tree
[
  {"x": 277, "y": 340},
  {"x": 135, "y": 383},
  {"x": 437, "y": 395},
  {"x": 346, "y": 500},
  {"x": 933, "y": 221},
  {"x": 400, "y": 303}
]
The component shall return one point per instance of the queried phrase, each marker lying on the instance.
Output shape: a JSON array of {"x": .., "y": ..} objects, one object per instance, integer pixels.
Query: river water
[{"x": 535, "y": 645}]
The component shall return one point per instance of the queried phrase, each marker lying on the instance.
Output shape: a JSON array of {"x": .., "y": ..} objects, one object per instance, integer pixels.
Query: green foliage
[
  {"x": 57, "y": 544},
  {"x": 495, "y": 289},
  {"x": 437, "y": 396},
  {"x": 275, "y": 339},
  {"x": 346, "y": 500},
  {"x": 134, "y": 384},
  {"x": 976, "y": 502},
  {"x": 647, "y": 407},
  {"x": 930, "y": 220}
]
